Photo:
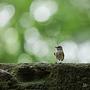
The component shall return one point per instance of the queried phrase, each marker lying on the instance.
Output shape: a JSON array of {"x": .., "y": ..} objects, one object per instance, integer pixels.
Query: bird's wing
[{"x": 62, "y": 56}]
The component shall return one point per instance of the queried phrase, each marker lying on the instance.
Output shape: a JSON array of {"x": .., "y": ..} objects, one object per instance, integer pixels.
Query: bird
[{"x": 59, "y": 54}]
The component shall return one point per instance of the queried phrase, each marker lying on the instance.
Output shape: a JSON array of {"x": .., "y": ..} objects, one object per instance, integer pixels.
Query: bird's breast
[{"x": 59, "y": 55}]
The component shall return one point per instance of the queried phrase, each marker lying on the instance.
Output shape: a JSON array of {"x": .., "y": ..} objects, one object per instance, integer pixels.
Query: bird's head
[{"x": 59, "y": 48}]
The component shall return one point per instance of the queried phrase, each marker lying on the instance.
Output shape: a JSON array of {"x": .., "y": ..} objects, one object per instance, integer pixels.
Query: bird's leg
[{"x": 59, "y": 61}]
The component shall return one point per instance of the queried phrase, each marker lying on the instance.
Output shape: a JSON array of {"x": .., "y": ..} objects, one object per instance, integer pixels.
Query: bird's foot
[{"x": 58, "y": 62}]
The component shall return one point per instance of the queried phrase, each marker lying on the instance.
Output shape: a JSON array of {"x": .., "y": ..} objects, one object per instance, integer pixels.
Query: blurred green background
[{"x": 30, "y": 29}]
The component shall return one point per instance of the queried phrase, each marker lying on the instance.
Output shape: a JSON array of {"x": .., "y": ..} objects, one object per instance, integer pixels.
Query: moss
[
  {"x": 7, "y": 81},
  {"x": 46, "y": 77},
  {"x": 69, "y": 77},
  {"x": 28, "y": 72}
]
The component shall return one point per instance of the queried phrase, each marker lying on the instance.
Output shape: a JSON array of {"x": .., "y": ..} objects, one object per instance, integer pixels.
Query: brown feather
[{"x": 60, "y": 55}]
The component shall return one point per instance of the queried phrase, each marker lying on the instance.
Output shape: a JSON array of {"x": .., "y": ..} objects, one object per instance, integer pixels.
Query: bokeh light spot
[
  {"x": 70, "y": 50},
  {"x": 34, "y": 44},
  {"x": 84, "y": 52},
  {"x": 10, "y": 38},
  {"x": 6, "y": 13},
  {"x": 42, "y": 10},
  {"x": 42, "y": 14},
  {"x": 24, "y": 58}
]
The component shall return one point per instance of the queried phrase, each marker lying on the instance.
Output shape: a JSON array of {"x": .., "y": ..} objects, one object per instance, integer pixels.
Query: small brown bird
[{"x": 59, "y": 54}]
